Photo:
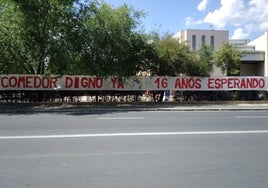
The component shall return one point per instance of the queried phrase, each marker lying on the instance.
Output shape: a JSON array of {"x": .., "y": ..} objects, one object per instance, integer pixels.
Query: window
[
  {"x": 194, "y": 42},
  {"x": 203, "y": 40},
  {"x": 212, "y": 41}
]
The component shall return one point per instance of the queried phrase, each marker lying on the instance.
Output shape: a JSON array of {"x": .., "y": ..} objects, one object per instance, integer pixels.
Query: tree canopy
[
  {"x": 36, "y": 29},
  {"x": 70, "y": 37},
  {"x": 92, "y": 37},
  {"x": 228, "y": 59},
  {"x": 174, "y": 58},
  {"x": 110, "y": 44}
]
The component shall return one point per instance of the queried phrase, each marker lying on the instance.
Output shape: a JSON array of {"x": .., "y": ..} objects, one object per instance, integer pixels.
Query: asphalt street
[{"x": 135, "y": 149}]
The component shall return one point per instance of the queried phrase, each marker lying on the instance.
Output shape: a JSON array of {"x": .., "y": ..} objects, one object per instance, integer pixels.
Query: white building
[
  {"x": 256, "y": 61},
  {"x": 195, "y": 38},
  {"x": 252, "y": 61}
]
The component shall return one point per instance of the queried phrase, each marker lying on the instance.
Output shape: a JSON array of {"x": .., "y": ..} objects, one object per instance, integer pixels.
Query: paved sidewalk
[
  {"x": 222, "y": 107},
  {"x": 87, "y": 108}
]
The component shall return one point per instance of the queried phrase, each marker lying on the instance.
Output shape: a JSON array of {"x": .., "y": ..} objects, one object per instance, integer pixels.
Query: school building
[{"x": 254, "y": 61}]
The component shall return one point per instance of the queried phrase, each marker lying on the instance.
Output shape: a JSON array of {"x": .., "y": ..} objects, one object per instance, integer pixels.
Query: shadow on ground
[
  {"x": 110, "y": 108},
  {"x": 77, "y": 109}
]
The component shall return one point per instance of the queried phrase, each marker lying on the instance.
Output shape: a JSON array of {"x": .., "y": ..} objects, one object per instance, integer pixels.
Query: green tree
[
  {"x": 71, "y": 37},
  {"x": 38, "y": 36},
  {"x": 9, "y": 30},
  {"x": 228, "y": 59},
  {"x": 112, "y": 46},
  {"x": 205, "y": 61},
  {"x": 171, "y": 56}
]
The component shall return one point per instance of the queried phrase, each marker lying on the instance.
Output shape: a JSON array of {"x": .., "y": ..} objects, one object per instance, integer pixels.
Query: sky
[{"x": 244, "y": 19}]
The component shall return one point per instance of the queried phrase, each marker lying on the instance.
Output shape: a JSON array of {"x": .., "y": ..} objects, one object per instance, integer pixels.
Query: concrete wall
[
  {"x": 255, "y": 69},
  {"x": 261, "y": 44},
  {"x": 220, "y": 36}
]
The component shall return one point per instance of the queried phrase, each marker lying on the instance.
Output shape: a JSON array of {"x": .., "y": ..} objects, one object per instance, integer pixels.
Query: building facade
[
  {"x": 254, "y": 61},
  {"x": 258, "y": 57},
  {"x": 195, "y": 39}
]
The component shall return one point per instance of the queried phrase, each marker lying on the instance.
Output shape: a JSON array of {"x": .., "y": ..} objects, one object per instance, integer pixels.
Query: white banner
[{"x": 135, "y": 83}]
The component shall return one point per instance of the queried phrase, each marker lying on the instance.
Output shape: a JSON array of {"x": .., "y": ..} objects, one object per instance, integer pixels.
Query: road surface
[{"x": 135, "y": 149}]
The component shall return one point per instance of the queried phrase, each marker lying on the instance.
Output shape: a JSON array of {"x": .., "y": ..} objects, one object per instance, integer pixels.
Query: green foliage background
[{"x": 93, "y": 38}]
